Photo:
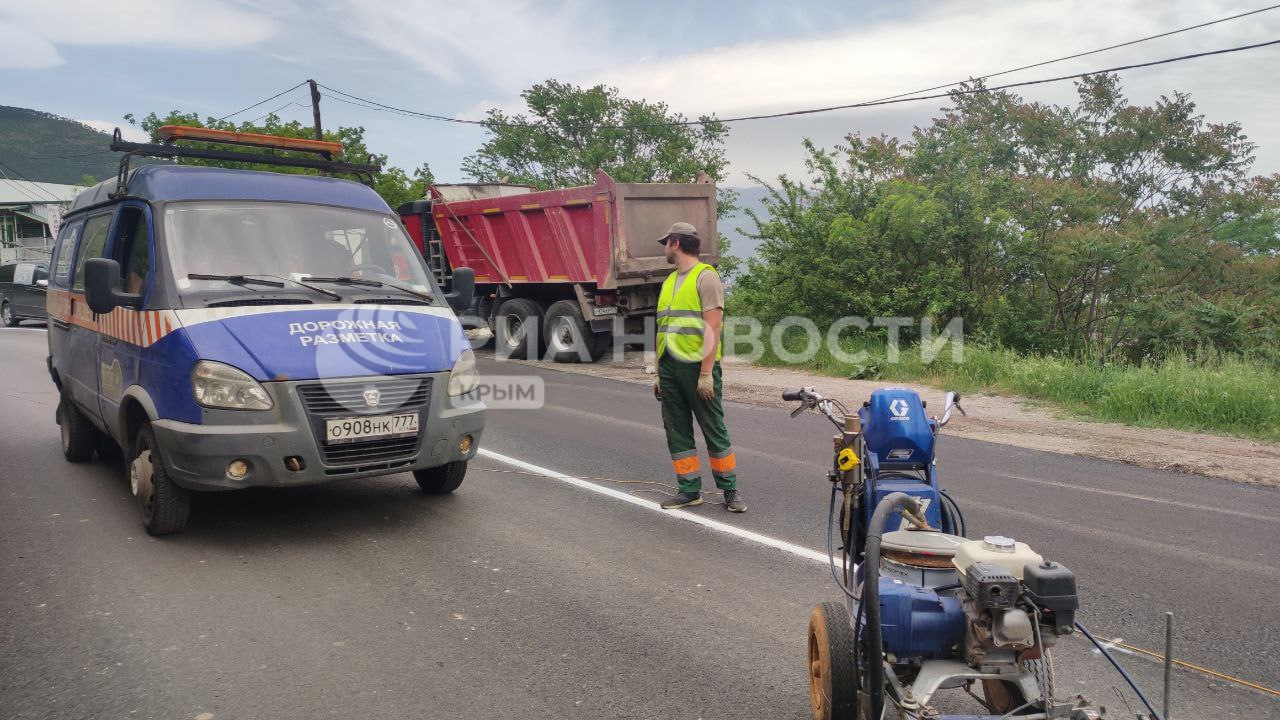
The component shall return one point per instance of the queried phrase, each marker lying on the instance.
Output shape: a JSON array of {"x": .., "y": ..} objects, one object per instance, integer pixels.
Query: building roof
[
  {"x": 25, "y": 192},
  {"x": 192, "y": 182}
]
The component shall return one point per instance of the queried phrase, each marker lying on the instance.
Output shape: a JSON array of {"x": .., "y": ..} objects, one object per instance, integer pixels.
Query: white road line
[
  {"x": 694, "y": 518},
  {"x": 1146, "y": 498}
]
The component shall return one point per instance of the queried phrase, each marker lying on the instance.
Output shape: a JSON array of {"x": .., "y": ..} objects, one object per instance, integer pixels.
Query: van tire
[
  {"x": 569, "y": 339},
  {"x": 165, "y": 506},
  {"x": 518, "y": 329},
  {"x": 441, "y": 480},
  {"x": 79, "y": 436},
  {"x": 6, "y": 314}
]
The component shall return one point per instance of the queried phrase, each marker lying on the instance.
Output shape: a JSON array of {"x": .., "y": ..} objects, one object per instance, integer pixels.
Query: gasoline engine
[{"x": 926, "y": 608}]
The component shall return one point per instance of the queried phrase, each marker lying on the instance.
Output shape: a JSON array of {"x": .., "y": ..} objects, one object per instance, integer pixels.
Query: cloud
[
  {"x": 42, "y": 25},
  {"x": 504, "y": 46},
  {"x": 24, "y": 51},
  {"x": 945, "y": 43}
]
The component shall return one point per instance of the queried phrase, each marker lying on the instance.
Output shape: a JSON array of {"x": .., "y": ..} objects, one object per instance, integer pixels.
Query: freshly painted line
[
  {"x": 694, "y": 518},
  {"x": 1146, "y": 498}
]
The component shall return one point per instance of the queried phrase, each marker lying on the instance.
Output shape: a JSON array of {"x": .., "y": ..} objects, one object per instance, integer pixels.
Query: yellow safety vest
[{"x": 680, "y": 317}]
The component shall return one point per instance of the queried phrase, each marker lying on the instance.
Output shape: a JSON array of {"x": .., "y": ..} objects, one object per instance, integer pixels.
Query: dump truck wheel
[
  {"x": 518, "y": 329},
  {"x": 79, "y": 436},
  {"x": 165, "y": 506},
  {"x": 569, "y": 339},
  {"x": 441, "y": 480},
  {"x": 833, "y": 680}
]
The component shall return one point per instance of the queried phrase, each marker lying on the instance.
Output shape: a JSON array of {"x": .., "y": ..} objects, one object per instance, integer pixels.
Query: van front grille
[{"x": 346, "y": 397}]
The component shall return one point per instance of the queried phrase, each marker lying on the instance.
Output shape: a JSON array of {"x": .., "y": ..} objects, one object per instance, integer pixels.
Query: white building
[{"x": 30, "y": 215}]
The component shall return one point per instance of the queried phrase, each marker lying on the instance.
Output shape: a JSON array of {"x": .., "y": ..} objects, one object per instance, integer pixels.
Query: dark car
[{"x": 22, "y": 291}]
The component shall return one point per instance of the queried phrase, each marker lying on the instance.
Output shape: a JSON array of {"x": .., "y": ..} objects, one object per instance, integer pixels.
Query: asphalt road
[{"x": 525, "y": 596}]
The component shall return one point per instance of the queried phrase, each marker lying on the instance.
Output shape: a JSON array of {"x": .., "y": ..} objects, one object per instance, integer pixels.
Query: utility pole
[{"x": 315, "y": 108}]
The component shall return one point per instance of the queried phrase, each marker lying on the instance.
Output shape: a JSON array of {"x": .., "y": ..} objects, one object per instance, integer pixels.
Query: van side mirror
[
  {"x": 102, "y": 286},
  {"x": 463, "y": 289}
]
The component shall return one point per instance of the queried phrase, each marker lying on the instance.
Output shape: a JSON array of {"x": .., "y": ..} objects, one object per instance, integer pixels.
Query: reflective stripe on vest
[{"x": 680, "y": 317}]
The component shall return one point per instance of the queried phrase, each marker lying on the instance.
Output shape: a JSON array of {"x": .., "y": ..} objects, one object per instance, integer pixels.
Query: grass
[{"x": 1217, "y": 394}]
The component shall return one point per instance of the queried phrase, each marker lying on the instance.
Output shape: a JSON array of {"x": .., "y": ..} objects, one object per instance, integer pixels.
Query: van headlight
[
  {"x": 464, "y": 377},
  {"x": 215, "y": 385}
]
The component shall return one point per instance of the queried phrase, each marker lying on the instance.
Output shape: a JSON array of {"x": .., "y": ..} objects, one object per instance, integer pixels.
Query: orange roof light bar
[{"x": 170, "y": 133}]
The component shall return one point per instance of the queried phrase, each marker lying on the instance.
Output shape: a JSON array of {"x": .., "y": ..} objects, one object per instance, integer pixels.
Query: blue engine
[
  {"x": 899, "y": 439},
  {"x": 919, "y": 624}
]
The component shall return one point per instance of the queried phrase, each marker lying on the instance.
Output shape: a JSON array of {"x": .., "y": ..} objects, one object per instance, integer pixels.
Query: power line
[
  {"x": 812, "y": 111},
  {"x": 278, "y": 110},
  {"x": 34, "y": 184},
  {"x": 1088, "y": 52},
  {"x": 263, "y": 102}
]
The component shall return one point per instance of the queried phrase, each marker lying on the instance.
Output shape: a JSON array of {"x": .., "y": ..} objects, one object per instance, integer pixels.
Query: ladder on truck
[{"x": 435, "y": 257}]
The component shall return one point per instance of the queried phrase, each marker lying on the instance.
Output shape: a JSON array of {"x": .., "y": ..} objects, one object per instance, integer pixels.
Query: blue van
[{"x": 235, "y": 328}]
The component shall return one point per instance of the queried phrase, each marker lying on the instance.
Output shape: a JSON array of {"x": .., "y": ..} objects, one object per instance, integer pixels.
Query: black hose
[
  {"x": 1114, "y": 663},
  {"x": 894, "y": 502},
  {"x": 831, "y": 550},
  {"x": 950, "y": 508}
]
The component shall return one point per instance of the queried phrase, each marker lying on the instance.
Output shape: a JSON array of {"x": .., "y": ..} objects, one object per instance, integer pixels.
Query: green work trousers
[{"x": 680, "y": 405}]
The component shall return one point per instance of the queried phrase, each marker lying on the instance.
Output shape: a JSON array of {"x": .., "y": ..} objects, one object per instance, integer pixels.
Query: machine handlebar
[{"x": 797, "y": 394}]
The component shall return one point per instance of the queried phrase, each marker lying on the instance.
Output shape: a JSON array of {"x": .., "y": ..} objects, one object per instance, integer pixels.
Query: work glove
[
  {"x": 706, "y": 387},
  {"x": 657, "y": 387}
]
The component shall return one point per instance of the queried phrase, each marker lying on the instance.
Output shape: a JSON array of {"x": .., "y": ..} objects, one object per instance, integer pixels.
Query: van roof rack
[{"x": 171, "y": 134}]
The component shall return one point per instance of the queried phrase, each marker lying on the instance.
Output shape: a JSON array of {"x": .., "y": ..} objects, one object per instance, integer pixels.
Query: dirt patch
[{"x": 1003, "y": 419}]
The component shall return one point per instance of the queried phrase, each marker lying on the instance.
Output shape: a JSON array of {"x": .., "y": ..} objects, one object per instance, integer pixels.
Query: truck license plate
[{"x": 345, "y": 430}]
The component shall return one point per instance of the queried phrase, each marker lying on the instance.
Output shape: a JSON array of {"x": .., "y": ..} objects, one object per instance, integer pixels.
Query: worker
[{"x": 687, "y": 381}]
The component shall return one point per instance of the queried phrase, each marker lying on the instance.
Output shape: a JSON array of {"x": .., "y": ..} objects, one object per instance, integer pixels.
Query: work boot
[
  {"x": 733, "y": 501},
  {"x": 684, "y": 499}
]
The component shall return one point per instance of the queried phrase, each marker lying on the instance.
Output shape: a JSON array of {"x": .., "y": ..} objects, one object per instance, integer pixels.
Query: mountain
[
  {"x": 732, "y": 227},
  {"x": 44, "y": 147}
]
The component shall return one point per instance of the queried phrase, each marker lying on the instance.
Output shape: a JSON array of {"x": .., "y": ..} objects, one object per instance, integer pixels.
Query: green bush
[{"x": 1209, "y": 392}]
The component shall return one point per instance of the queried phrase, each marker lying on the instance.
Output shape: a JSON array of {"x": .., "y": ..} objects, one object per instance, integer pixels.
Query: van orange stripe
[
  {"x": 724, "y": 464},
  {"x": 685, "y": 466}
]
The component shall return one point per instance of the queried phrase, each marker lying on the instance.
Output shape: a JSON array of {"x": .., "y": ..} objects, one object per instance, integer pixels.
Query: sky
[{"x": 97, "y": 61}]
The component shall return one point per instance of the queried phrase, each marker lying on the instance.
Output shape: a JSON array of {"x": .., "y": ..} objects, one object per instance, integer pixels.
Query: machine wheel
[
  {"x": 6, "y": 315},
  {"x": 1003, "y": 696},
  {"x": 441, "y": 480},
  {"x": 518, "y": 328},
  {"x": 569, "y": 338},
  {"x": 79, "y": 436},
  {"x": 165, "y": 506},
  {"x": 833, "y": 680}
]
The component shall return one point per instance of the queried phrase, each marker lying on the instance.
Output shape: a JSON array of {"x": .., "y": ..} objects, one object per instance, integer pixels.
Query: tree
[
  {"x": 1104, "y": 230},
  {"x": 571, "y": 131},
  {"x": 393, "y": 184}
]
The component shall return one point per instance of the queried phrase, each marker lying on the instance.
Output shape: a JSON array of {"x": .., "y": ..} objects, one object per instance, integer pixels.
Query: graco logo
[{"x": 899, "y": 409}]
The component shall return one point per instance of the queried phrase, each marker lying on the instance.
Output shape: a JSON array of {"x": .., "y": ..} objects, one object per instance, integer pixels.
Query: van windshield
[{"x": 289, "y": 240}]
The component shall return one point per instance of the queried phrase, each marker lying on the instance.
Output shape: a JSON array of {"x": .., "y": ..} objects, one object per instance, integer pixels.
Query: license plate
[{"x": 345, "y": 430}]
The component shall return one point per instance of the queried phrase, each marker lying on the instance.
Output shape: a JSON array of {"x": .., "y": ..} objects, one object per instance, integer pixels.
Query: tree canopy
[{"x": 1104, "y": 230}]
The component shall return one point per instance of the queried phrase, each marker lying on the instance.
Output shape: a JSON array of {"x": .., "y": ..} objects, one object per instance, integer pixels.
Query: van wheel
[
  {"x": 569, "y": 339},
  {"x": 833, "y": 680},
  {"x": 519, "y": 329},
  {"x": 79, "y": 436},
  {"x": 441, "y": 480},
  {"x": 165, "y": 506},
  {"x": 7, "y": 316}
]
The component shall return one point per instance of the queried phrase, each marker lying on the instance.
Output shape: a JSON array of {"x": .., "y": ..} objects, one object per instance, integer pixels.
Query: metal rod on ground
[{"x": 1168, "y": 663}]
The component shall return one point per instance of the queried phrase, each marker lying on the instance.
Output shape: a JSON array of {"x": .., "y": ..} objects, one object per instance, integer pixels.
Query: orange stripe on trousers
[
  {"x": 685, "y": 466},
  {"x": 724, "y": 464}
]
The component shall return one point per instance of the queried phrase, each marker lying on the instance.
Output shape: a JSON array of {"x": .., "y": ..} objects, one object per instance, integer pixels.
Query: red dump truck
[{"x": 560, "y": 271}]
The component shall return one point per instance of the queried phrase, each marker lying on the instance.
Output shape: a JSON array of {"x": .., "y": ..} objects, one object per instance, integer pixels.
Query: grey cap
[{"x": 680, "y": 228}]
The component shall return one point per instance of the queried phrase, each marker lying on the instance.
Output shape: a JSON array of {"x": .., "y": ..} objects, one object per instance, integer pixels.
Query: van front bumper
[{"x": 198, "y": 456}]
